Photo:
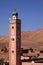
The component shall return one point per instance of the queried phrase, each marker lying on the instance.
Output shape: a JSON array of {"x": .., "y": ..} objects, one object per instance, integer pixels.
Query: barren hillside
[{"x": 28, "y": 39}]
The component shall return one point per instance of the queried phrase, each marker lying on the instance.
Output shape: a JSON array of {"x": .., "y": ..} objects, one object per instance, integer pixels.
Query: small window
[
  {"x": 12, "y": 39},
  {"x": 12, "y": 51},
  {"x": 12, "y": 27}
]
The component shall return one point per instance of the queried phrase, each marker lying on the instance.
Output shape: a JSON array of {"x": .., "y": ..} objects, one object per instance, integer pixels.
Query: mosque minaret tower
[{"x": 14, "y": 40}]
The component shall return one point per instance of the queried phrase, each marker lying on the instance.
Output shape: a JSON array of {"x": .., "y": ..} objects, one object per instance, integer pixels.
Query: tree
[
  {"x": 1, "y": 61},
  {"x": 4, "y": 49},
  {"x": 38, "y": 54},
  {"x": 31, "y": 49}
]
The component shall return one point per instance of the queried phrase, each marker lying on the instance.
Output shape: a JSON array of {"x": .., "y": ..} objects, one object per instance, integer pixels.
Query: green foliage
[
  {"x": 1, "y": 61},
  {"x": 5, "y": 50}
]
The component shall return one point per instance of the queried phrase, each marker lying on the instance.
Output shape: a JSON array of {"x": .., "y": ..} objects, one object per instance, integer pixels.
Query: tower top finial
[{"x": 15, "y": 13}]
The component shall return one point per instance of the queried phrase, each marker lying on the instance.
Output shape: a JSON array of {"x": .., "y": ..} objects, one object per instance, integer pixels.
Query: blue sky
[{"x": 30, "y": 12}]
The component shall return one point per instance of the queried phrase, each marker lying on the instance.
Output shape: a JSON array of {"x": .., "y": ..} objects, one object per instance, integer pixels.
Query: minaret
[{"x": 14, "y": 40}]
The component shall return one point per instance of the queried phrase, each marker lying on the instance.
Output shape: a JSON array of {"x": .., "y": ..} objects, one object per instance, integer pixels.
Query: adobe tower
[{"x": 14, "y": 40}]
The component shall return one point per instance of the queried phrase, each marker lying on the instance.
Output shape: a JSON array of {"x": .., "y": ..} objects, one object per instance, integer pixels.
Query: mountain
[
  {"x": 28, "y": 39},
  {"x": 32, "y": 39}
]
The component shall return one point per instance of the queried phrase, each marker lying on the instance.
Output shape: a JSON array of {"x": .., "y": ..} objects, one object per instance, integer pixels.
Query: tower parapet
[{"x": 15, "y": 15}]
